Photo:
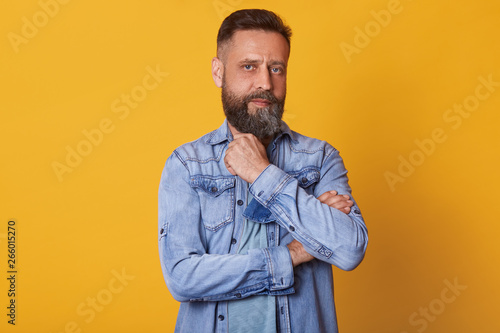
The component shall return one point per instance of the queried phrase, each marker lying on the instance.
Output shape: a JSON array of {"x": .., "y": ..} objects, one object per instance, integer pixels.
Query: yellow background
[{"x": 437, "y": 224}]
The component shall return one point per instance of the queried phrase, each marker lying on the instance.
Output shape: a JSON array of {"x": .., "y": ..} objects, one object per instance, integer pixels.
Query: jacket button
[
  {"x": 233, "y": 241},
  {"x": 221, "y": 317},
  {"x": 356, "y": 211},
  {"x": 238, "y": 295},
  {"x": 240, "y": 202},
  {"x": 304, "y": 180},
  {"x": 292, "y": 228},
  {"x": 161, "y": 231},
  {"x": 214, "y": 189}
]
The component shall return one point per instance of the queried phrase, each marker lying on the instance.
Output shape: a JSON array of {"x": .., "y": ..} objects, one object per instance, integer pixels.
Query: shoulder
[
  {"x": 300, "y": 143},
  {"x": 196, "y": 157},
  {"x": 205, "y": 149},
  {"x": 201, "y": 150}
]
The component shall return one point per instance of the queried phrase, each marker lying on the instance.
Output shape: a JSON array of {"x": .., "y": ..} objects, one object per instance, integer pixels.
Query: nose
[{"x": 263, "y": 80}]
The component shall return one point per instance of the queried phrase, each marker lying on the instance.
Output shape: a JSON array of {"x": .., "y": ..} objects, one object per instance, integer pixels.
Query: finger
[
  {"x": 327, "y": 195},
  {"x": 231, "y": 146},
  {"x": 242, "y": 135},
  {"x": 344, "y": 203},
  {"x": 347, "y": 198},
  {"x": 231, "y": 171},
  {"x": 239, "y": 139},
  {"x": 324, "y": 196},
  {"x": 336, "y": 200},
  {"x": 349, "y": 203},
  {"x": 228, "y": 166},
  {"x": 340, "y": 203}
]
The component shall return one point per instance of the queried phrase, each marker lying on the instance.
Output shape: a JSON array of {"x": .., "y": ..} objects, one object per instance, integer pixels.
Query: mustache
[{"x": 262, "y": 94}]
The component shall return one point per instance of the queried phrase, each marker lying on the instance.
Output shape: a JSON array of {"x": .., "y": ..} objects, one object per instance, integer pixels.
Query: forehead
[{"x": 258, "y": 44}]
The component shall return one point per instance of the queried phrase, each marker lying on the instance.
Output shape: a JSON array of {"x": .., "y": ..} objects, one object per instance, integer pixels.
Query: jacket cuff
[
  {"x": 268, "y": 184},
  {"x": 280, "y": 266}
]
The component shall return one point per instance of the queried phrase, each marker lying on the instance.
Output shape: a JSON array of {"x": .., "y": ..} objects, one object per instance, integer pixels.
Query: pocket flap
[
  {"x": 307, "y": 177},
  {"x": 213, "y": 186}
]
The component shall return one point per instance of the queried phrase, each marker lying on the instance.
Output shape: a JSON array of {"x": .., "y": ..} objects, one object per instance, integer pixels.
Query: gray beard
[{"x": 266, "y": 122}]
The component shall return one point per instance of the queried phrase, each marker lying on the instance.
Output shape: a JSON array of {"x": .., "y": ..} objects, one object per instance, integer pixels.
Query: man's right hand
[
  {"x": 333, "y": 199},
  {"x": 298, "y": 253}
]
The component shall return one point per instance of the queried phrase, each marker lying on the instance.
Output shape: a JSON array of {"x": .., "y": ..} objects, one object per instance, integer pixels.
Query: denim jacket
[{"x": 201, "y": 215}]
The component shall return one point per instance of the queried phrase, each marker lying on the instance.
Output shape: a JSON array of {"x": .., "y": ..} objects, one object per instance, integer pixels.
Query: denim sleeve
[
  {"x": 191, "y": 272},
  {"x": 325, "y": 232}
]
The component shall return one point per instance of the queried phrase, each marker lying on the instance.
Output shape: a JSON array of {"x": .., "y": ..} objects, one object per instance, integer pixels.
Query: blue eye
[
  {"x": 248, "y": 67},
  {"x": 276, "y": 70}
]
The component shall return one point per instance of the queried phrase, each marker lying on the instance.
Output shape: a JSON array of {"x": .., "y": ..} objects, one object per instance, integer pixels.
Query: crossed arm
[
  {"x": 246, "y": 157},
  {"x": 341, "y": 202}
]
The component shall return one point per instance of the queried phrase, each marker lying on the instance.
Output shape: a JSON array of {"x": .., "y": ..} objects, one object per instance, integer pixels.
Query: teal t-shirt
[{"x": 254, "y": 314}]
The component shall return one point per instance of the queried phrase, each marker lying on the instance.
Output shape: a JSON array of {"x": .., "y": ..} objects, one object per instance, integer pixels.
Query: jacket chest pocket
[
  {"x": 307, "y": 178},
  {"x": 216, "y": 200}
]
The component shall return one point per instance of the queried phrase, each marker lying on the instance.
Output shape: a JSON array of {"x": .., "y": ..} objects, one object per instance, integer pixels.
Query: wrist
[{"x": 258, "y": 172}]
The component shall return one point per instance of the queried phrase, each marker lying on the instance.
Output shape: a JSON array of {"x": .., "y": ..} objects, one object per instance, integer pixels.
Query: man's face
[{"x": 254, "y": 81}]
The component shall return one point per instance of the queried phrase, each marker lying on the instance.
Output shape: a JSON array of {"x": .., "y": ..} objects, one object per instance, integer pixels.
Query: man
[{"x": 253, "y": 215}]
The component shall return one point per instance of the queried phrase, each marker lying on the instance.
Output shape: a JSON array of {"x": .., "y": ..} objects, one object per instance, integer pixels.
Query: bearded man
[{"x": 253, "y": 214}]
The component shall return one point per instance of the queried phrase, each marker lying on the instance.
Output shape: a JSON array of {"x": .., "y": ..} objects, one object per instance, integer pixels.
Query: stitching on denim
[
  {"x": 278, "y": 189},
  {"x": 330, "y": 152},
  {"x": 222, "y": 183},
  {"x": 219, "y": 226},
  {"x": 225, "y": 296},
  {"x": 326, "y": 252},
  {"x": 305, "y": 151},
  {"x": 287, "y": 315},
  {"x": 210, "y": 159},
  {"x": 270, "y": 264},
  {"x": 210, "y": 136},
  {"x": 180, "y": 158}
]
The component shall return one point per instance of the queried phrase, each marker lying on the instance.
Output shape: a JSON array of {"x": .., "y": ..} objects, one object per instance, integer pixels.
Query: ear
[{"x": 217, "y": 71}]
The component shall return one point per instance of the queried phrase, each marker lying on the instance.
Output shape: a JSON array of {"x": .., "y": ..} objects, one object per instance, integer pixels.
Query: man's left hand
[
  {"x": 246, "y": 157},
  {"x": 341, "y": 202}
]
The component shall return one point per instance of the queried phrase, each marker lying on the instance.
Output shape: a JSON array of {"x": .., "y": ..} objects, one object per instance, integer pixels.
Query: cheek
[
  {"x": 239, "y": 84},
  {"x": 279, "y": 87}
]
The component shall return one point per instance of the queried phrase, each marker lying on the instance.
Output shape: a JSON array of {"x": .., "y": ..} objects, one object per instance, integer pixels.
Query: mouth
[{"x": 261, "y": 102}]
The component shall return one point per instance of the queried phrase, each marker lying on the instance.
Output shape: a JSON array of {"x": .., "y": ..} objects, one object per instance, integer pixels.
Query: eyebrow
[{"x": 255, "y": 62}]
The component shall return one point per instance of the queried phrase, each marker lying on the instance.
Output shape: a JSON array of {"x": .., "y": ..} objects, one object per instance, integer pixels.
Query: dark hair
[{"x": 252, "y": 19}]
